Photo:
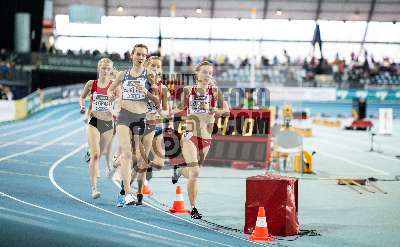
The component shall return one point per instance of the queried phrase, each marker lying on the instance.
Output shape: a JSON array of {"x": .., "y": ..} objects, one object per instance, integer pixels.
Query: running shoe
[
  {"x": 149, "y": 173},
  {"x": 130, "y": 199},
  {"x": 95, "y": 194},
  {"x": 120, "y": 201},
  {"x": 195, "y": 214},
  {"x": 139, "y": 200},
  {"x": 176, "y": 175}
]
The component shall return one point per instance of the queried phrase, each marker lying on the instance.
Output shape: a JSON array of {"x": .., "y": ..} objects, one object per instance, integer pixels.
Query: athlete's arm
[
  {"x": 152, "y": 78},
  {"x": 222, "y": 107},
  {"x": 164, "y": 98},
  {"x": 116, "y": 83},
  {"x": 181, "y": 105},
  {"x": 117, "y": 101},
  {"x": 84, "y": 94},
  {"x": 152, "y": 97}
]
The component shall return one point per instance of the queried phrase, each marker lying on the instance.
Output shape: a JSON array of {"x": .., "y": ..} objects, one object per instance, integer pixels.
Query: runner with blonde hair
[{"x": 100, "y": 125}]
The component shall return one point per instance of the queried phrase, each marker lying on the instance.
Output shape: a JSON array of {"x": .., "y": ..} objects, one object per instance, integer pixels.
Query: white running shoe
[
  {"x": 95, "y": 194},
  {"x": 129, "y": 199}
]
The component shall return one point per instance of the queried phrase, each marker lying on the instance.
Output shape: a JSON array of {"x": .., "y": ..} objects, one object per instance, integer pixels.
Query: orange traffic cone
[
  {"x": 179, "y": 205},
  {"x": 260, "y": 232},
  {"x": 146, "y": 190}
]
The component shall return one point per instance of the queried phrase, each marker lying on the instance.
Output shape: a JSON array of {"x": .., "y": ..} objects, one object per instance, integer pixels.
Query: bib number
[
  {"x": 199, "y": 104},
  {"x": 100, "y": 103},
  {"x": 130, "y": 91}
]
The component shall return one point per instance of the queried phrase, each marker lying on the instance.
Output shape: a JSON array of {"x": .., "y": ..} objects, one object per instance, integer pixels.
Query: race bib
[
  {"x": 199, "y": 104},
  {"x": 100, "y": 103},
  {"x": 187, "y": 135},
  {"x": 130, "y": 91}
]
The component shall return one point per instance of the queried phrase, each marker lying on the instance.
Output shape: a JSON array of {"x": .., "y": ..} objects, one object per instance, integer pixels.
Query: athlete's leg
[
  {"x": 106, "y": 149},
  {"x": 158, "y": 150},
  {"x": 123, "y": 133},
  {"x": 140, "y": 154},
  {"x": 203, "y": 154},
  {"x": 147, "y": 144},
  {"x": 93, "y": 136},
  {"x": 191, "y": 172}
]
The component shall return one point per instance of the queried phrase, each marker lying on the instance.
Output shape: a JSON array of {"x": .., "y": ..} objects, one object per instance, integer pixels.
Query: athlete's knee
[
  {"x": 194, "y": 173},
  {"x": 94, "y": 155}
]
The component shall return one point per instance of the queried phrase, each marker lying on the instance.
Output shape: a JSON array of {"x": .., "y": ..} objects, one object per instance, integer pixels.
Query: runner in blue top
[{"x": 131, "y": 119}]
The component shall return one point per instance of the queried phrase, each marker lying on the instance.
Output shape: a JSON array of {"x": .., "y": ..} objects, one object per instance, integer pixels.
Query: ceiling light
[
  {"x": 199, "y": 10},
  {"x": 278, "y": 12},
  {"x": 120, "y": 8}
]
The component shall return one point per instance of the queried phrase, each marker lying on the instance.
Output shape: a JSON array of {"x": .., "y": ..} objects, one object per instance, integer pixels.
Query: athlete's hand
[
  {"x": 82, "y": 110},
  {"x": 142, "y": 89},
  {"x": 152, "y": 75}
]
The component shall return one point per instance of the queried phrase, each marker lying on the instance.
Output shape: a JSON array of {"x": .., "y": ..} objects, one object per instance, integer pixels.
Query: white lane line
[
  {"x": 140, "y": 234},
  {"x": 42, "y": 146},
  {"x": 26, "y": 214},
  {"x": 27, "y": 162},
  {"x": 52, "y": 180},
  {"x": 334, "y": 156},
  {"x": 365, "y": 152},
  {"x": 51, "y": 113},
  {"x": 22, "y": 174},
  {"x": 19, "y": 140},
  {"x": 194, "y": 223},
  {"x": 348, "y": 138},
  {"x": 32, "y": 121},
  {"x": 18, "y": 131}
]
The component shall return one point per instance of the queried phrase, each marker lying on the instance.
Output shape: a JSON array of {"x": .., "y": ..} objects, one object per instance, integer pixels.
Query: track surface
[
  {"x": 45, "y": 197},
  {"x": 44, "y": 194}
]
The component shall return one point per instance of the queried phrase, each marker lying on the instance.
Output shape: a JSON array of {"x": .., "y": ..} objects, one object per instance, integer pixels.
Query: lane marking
[
  {"x": 343, "y": 146},
  {"x": 19, "y": 140},
  {"x": 52, "y": 180},
  {"x": 51, "y": 113},
  {"x": 17, "y": 131},
  {"x": 26, "y": 214},
  {"x": 27, "y": 162},
  {"x": 22, "y": 174},
  {"x": 334, "y": 156},
  {"x": 194, "y": 223},
  {"x": 32, "y": 121},
  {"x": 347, "y": 138},
  {"x": 42, "y": 146},
  {"x": 141, "y": 233}
]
